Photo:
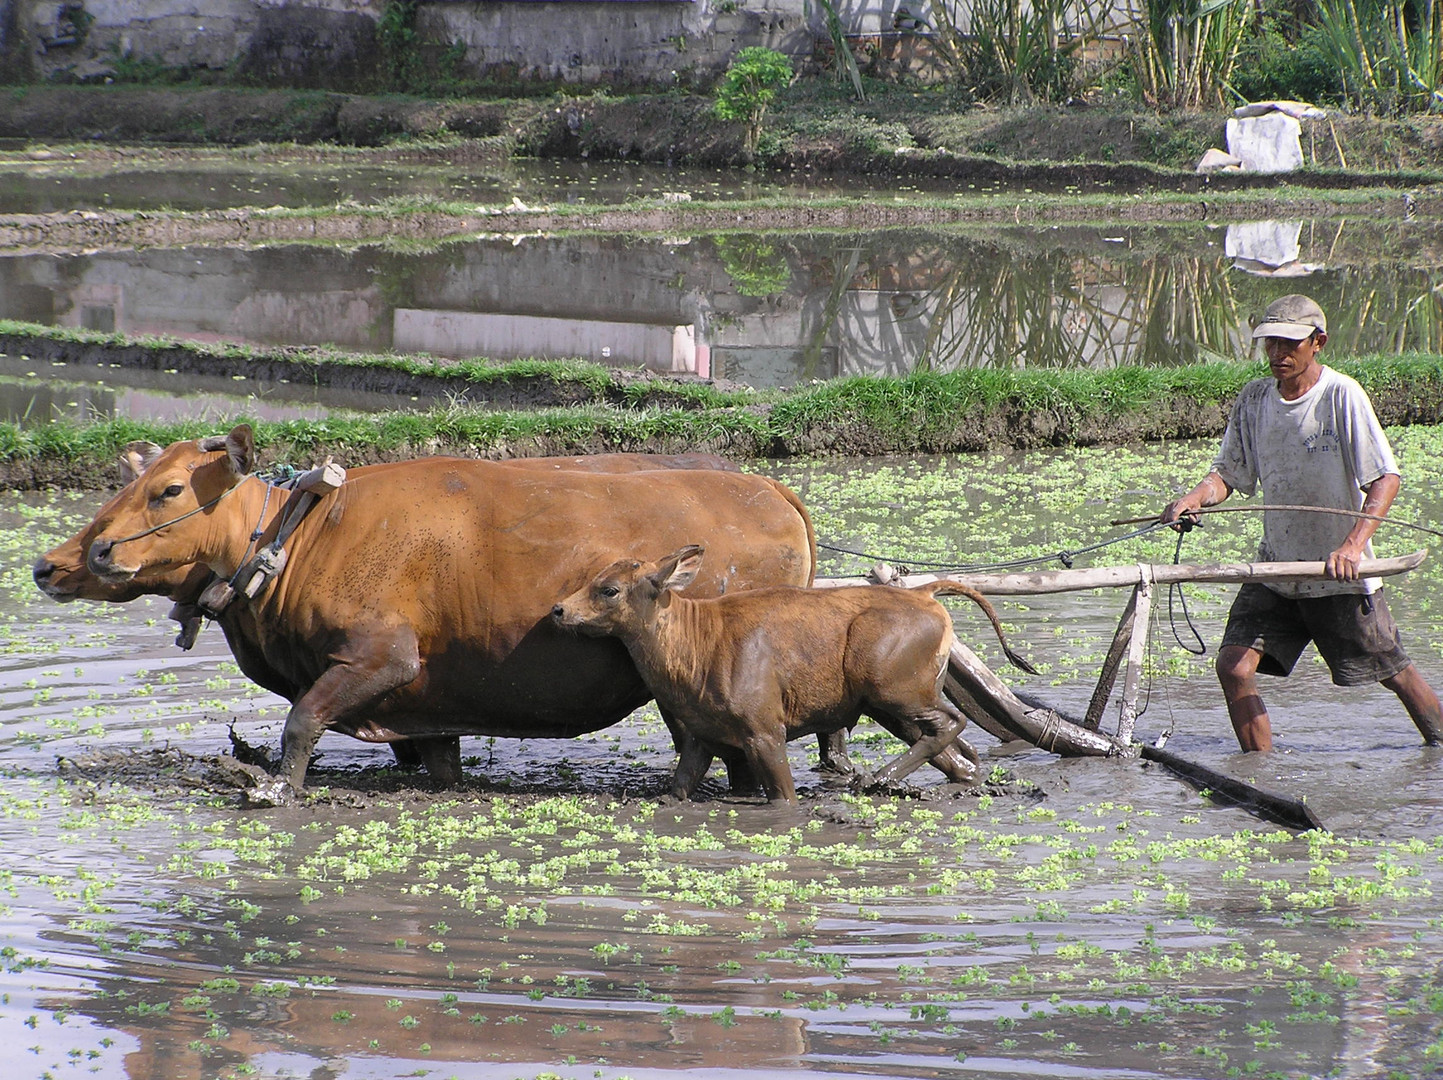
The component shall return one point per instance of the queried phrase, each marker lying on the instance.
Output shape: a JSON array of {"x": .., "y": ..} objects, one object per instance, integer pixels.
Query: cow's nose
[
  {"x": 99, "y": 558},
  {"x": 42, "y": 570},
  {"x": 557, "y": 612}
]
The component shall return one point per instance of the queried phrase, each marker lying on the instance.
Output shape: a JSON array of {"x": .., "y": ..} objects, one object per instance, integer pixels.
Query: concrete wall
[{"x": 334, "y": 43}]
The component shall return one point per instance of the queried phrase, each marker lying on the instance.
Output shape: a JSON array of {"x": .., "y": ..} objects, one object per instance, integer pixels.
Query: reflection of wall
[
  {"x": 870, "y": 303},
  {"x": 28, "y": 402},
  {"x": 274, "y": 297},
  {"x": 458, "y": 334}
]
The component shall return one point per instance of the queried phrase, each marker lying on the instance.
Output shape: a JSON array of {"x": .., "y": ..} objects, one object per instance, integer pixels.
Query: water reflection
[{"x": 773, "y": 310}]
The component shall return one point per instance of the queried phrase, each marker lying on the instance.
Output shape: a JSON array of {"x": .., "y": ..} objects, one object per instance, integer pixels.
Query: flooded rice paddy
[
  {"x": 768, "y": 310},
  {"x": 1085, "y": 919},
  {"x": 39, "y": 182}
]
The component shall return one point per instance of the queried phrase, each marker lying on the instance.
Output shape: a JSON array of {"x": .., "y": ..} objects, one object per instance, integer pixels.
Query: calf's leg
[
  {"x": 940, "y": 726},
  {"x": 957, "y": 761},
  {"x": 692, "y": 767},
  {"x": 767, "y": 754}
]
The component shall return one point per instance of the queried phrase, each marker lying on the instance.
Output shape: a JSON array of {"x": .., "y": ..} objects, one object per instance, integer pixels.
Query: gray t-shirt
[{"x": 1319, "y": 450}]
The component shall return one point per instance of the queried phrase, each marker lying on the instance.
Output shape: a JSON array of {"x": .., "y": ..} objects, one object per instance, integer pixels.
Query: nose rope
[{"x": 182, "y": 517}]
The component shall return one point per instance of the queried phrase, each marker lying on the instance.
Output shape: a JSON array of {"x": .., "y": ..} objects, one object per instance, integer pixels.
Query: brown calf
[{"x": 752, "y": 670}]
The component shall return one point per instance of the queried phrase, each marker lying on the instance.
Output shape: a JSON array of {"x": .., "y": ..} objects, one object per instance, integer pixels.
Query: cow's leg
[
  {"x": 767, "y": 754},
  {"x": 406, "y": 753},
  {"x": 833, "y": 747},
  {"x": 940, "y": 726},
  {"x": 441, "y": 755},
  {"x": 362, "y": 674}
]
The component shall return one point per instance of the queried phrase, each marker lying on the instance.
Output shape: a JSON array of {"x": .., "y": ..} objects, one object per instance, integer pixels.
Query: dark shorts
[{"x": 1354, "y": 633}]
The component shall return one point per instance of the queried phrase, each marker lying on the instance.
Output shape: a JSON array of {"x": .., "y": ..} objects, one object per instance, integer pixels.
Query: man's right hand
[{"x": 1181, "y": 514}]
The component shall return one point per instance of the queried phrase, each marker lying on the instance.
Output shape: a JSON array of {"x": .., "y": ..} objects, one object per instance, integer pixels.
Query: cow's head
[
  {"x": 625, "y": 598},
  {"x": 62, "y": 574},
  {"x": 161, "y": 520}
]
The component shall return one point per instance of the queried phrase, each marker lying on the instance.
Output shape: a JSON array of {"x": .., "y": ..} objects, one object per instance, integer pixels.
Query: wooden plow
[{"x": 990, "y": 704}]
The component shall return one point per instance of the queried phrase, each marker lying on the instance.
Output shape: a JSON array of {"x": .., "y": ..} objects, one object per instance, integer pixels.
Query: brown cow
[
  {"x": 751, "y": 670},
  {"x": 414, "y": 600},
  {"x": 63, "y": 576}
]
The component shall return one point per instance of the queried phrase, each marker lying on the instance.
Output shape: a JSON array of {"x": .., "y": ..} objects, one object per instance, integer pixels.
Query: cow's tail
[
  {"x": 956, "y": 588},
  {"x": 791, "y": 497}
]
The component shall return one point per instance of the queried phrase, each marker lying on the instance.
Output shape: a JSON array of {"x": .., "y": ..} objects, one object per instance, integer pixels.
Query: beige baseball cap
[{"x": 1294, "y": 317}]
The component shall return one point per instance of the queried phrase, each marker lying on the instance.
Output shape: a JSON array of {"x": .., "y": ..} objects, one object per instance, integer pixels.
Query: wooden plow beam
[{"x": 991, "y": 705}]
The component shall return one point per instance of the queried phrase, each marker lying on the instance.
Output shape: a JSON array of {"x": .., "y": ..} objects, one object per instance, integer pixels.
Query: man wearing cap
[{"x": 1310, "y": 437}]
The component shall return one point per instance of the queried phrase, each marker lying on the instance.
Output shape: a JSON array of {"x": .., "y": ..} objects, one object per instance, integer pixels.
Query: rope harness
[{"x": 259, "y": 569}]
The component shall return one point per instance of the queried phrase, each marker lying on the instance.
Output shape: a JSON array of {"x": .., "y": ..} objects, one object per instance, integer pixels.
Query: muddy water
[
  {"x": 1085, "y": 919},
  {"x": 766, "y": 310},
  {"x": 176, "y": 180}
]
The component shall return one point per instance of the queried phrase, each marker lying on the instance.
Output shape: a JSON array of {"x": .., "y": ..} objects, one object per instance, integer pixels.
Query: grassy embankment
[{"x": 602, "y": 410}]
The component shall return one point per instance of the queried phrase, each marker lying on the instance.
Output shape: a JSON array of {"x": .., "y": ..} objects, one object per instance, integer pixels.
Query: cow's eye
[{"x": 611, "y": 592}]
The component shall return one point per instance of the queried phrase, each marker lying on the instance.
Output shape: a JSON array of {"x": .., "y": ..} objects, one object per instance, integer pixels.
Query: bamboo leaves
[{"x": 1389, "y": 53}]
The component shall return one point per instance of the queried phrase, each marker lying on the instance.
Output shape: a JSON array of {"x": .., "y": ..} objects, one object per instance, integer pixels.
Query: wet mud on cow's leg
[
  {"x": 367, "y": 669},
  {"x": 439, "y": 755},
  {"x": 767, "y": 755},
  {"x": 832, "y": 745},
  {"x": 944, "y": 723}
]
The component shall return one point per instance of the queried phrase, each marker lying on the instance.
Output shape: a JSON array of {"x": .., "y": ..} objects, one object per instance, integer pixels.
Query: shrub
[
  {"x": 749, "y": 86},
  {"x": 1273, "y": 66}
]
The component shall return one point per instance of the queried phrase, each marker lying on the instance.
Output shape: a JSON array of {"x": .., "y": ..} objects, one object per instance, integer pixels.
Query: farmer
[{"x": 1310, "y": 437}]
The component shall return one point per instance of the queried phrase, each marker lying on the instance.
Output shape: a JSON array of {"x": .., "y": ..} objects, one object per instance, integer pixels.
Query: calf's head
[
  {"x": 627, "y": 596},
  {"x": 159, "y": 521}
]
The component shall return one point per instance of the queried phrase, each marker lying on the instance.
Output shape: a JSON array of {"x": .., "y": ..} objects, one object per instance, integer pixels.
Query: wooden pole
[
  {"x": 1282, "y": 809},
  {"x": 1136, "y": 654},
  {"x": 1102, "y": 577},
  {"x": 1047, "y": 730},
  {"x": 1105, "y": 681}
]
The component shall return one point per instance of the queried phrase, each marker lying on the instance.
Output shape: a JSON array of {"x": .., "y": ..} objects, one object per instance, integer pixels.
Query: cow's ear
[
  {"x": 240, "y": 447},
  {"x": 136, "y": 458},
  {"x": 679, "y": 569}
]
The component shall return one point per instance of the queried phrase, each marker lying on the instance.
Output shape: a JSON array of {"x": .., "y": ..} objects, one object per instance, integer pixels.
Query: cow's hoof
[
  {"x": 897, "y": 789},
  {"x": 272, "y": 793},
  {"x": 837, "y": 765}
]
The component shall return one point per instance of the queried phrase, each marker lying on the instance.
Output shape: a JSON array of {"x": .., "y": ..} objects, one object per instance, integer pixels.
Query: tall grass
[
  {"x": 1018, "y": 51},
  {"x": 1182, "y": 52},
  {"x": 1389, "y": 52}
]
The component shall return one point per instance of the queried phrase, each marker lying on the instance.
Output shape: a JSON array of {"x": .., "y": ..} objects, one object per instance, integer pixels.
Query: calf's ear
[{"x": 679, "y": 569}]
